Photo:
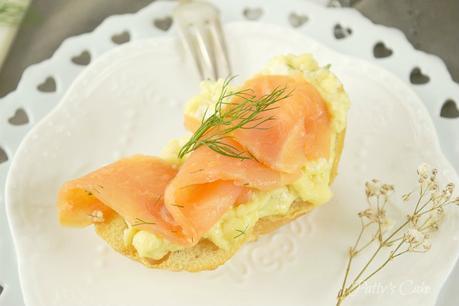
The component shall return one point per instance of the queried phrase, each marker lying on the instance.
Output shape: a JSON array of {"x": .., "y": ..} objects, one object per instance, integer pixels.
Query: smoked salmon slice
[
  {"x": 132, "y": 187},
  {"x": 208, "y": 184},
  {"x": 300, "y": 130}
]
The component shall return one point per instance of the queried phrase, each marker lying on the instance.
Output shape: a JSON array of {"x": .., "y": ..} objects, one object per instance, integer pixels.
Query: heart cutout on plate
[
  {"x": 417, "y": 77},
  {"x": 19, "y": 118},
  {"x": 449, "y": 109},
  {"x": 3, "y": 158},
  {"x": 253, "y": 13},
  {"x": 83, "y": 59},
  {"x": 49, "y": 85},
  {"x": 341, "y": 32},
  {"x": 163, "y": 23},
  {"x": 121, "y": 38},
  {"x": 380, "y": 50},
  {"x": 297, "y": 20}
]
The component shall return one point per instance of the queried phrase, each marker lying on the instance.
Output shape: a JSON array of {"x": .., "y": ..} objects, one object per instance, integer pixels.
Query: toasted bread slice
[{"x": 205, "y": 255}]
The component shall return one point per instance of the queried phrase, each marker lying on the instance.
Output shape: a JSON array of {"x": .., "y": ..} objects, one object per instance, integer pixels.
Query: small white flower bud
[
  {"x": 413, "y": 236},
  {"x": 426, "y": 245},
  {"x": 369, "y": 213},
  {"x": 433, "y": 186},
  {"x": 372, "y": 188},
  {"x": 387, "y": 189},
  {"x": 424, "y": 171}
]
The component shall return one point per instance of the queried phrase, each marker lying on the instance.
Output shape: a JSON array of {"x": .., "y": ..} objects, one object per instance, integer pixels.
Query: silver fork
[{"x": 200, "y": 28}]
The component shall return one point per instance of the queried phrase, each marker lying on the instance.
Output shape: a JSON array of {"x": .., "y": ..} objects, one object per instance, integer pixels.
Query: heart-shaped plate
[{"x": 130, "y": 101}]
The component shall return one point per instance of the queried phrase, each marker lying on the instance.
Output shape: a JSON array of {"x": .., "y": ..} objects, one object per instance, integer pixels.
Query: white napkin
[{"x": 11, "y": 13}]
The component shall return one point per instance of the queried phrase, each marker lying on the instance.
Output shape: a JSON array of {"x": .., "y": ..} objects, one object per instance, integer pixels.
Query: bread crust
[{"x": 205, "y": 255}]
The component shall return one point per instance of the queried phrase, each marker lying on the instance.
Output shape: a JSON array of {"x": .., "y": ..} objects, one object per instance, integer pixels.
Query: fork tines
[{"x": 199, "y": 26}]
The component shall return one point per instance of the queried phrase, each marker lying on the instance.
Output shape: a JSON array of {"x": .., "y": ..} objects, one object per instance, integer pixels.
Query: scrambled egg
[{"x": 312, "y": 186}]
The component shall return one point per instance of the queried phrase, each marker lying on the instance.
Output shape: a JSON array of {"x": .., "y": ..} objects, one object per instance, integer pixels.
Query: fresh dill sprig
[
  {"x": 215, "y": 131},
  {"x": 158, "y": 200},
  {"x": 98, "y": 188},
  {"x": 142, "y": 222},
  {"x": 11, "y": 13},
  {"x": 241, "y": 232}
]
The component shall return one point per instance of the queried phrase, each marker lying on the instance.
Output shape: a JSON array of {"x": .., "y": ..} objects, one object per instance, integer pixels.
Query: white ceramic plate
[
  {"x": 130, "y": 101},
  {"x": 58, "y": 72}
]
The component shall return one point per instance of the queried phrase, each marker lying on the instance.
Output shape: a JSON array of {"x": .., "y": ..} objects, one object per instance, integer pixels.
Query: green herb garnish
[
  {"x": 241, "y": 232},
  {"x": 216, "y": 130},
  {"x": 98, "y": 188},
  {"x": 158, "y": 200},
  {"x": 142, "y": 222}
]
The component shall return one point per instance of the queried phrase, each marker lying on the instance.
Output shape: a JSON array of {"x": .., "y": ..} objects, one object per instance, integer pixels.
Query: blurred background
[{"x": 430, "y": 25}]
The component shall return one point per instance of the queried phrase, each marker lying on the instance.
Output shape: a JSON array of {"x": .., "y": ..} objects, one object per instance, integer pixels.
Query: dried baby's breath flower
[
  {"x": 413, "y": 219},
  {"x": 433, "y": 227},
  {"x": 369, "y": 213},
  {"x": 412, "y": 235},
  {"x": 436, "y": 217},
  {"x": 449, "y": 191},
  {"x": 439, "y": 212},
  {"x": 426, "y": 245},
  {"x": 387, "y": 189},
  {"x": 406, "y": 197},
  {"x": 386, "y": 224},
  {"x": 423, "y": 172},
  {"x": 372, "y": 188},
  {"x": 424, "y": 169},
  {"x": 433, "y": 187}
]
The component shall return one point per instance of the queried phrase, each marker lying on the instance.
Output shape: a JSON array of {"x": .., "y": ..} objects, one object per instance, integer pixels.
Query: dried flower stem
[
  {"x": 391, "y": 256},
  {"x": 351, "y": 255},
  {"x": 411, "y": 236}
]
